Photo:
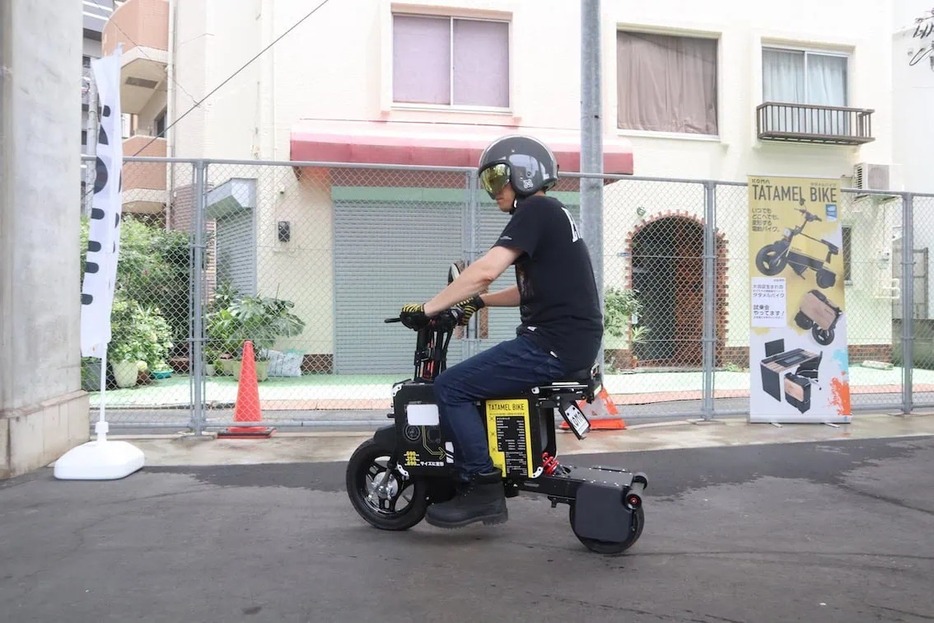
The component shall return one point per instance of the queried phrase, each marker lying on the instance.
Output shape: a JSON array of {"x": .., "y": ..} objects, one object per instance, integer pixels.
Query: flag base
[{"x": 99, "y": 460}]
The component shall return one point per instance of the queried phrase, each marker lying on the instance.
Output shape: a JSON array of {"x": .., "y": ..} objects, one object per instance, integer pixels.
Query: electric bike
[
  {"x": 773, "y": 258},
  {"x": 406, "y": 466}
]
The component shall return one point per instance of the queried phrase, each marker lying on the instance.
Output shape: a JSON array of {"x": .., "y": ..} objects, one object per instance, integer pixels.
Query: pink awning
[{"x": 425, "y": 144}]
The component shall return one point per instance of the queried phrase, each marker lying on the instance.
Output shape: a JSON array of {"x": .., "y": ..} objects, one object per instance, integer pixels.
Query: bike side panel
[
  {"x": 518, "y": 429},
  {"x": 421, "y": 449}
]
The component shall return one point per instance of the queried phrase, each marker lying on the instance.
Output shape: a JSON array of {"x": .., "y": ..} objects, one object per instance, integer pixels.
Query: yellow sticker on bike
[{"x": 507, "y": 426}]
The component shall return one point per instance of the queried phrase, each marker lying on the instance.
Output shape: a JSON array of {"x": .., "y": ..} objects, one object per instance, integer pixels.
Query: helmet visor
[{"x": 494, "y": 179}]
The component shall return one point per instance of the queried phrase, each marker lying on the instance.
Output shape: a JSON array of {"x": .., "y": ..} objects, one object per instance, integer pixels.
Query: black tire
[
  {"x": 366, "y": 465},
  {"x": 803, "y": 321},
  {"x": 826, "y": 279},
  {"x": 612, "y": 548},
  {"x": 822, "y": 337},
  {"x": 770, "y": 261}
]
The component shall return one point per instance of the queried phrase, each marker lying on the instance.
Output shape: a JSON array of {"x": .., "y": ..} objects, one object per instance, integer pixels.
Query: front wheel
[
  {"x": 613, "y": 547},
  {"x": 383, "y": 497},
  {"x": 770, "y": 260},
  {"x": 824, "y": 338}
]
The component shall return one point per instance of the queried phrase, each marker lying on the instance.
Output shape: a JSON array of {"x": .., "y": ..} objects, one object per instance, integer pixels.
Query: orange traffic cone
[
  {"x": 247, "y": 406},
  {"x": 602, "y": 413}
]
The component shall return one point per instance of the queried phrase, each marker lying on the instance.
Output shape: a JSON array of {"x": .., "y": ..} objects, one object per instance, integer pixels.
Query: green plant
[
  {"x": 261, "y": 320},
  {"x": 138, "y": 333},
  {"x": 153, "y": 269},
  {"x": 637, "y": 334},
  {"x": 619, "y": 308}
]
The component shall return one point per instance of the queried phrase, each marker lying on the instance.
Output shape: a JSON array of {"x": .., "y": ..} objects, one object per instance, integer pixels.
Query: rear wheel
[
  {"x": 383, "y": 497},
  {"x": 613, "y": 547},
  {"x": 822, "y": 337}
]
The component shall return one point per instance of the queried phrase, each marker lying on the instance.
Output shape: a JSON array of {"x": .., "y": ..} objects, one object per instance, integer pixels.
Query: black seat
[
  {"x": 583, "y": 382},
  {"x": 810, "y": 369},
  {"x": 831, "y": 247}
]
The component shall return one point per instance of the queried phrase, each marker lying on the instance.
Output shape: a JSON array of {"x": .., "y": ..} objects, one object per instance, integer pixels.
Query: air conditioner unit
[
  {"x": 876, "y": 177},
  {"x": 871, "y": 176}
]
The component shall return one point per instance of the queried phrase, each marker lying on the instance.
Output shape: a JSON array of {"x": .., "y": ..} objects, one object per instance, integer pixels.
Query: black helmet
[{"x": 522, "y": 161}]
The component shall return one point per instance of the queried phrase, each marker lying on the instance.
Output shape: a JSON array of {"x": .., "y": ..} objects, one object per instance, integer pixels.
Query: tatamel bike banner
[{"x": 798, "y": 358}]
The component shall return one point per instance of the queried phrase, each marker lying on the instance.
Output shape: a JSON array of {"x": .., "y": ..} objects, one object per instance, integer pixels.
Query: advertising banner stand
[{"x": 798, "y": 360}]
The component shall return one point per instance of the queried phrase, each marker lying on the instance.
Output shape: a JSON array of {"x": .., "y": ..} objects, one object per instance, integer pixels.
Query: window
[
  {"x": 847, "y": 253},
  {"x": 666, "y": 83},
  {"x": 159, "y": 124},
  {"x": 449, "y": 61},
  {"x": 799, "y": 77},
  {"x": 809, "y": 78}
]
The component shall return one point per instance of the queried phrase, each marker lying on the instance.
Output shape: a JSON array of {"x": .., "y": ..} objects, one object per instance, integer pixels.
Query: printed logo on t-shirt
[{"x": 575, "y": 235}]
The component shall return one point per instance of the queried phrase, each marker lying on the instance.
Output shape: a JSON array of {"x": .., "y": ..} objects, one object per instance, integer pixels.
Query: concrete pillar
[{"x": 42, "y": 411}]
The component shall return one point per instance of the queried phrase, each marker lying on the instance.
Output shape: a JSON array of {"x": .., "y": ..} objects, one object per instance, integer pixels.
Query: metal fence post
[
  {"x": 907, "y": 300},
  {"x": 710, "y": 303},
  {"x": 196, "y": 355},
  {"x": 471, "y": 252}
]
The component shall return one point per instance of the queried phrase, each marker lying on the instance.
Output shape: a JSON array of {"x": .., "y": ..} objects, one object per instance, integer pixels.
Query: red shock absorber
[{"x": 549, "y": 463}]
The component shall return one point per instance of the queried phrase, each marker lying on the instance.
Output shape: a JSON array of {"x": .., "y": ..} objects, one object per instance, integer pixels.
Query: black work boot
[{"x": 481, "y": 499}]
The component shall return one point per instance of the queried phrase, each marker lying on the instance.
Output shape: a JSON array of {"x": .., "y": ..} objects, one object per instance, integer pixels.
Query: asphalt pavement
[{"x": 775, "y": 525}]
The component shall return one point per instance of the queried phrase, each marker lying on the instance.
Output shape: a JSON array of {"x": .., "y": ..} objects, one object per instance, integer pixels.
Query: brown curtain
[{"x": 666, "y": 83}]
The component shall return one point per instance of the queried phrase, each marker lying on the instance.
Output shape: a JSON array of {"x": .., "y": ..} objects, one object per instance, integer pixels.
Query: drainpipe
[{"x": 170, "y": 111}]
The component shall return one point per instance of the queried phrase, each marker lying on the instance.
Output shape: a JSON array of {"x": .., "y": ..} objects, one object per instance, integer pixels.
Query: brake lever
[{"x": 388, "y": 320}]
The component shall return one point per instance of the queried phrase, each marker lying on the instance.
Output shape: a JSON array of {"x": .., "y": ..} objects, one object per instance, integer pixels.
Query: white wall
[
  {"x": 337, "y": 65},
  {"x": 858, "y": 27},
  {"x": 913, "y": 95},
  {"x": 42, "y": 411}
]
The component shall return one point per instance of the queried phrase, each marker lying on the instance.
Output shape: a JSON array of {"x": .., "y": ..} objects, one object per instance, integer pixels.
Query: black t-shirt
[{"x": 559, "y": 305}]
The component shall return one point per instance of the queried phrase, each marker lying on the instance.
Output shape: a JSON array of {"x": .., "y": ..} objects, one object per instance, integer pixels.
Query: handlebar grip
[{"x": 388, "y": 320}]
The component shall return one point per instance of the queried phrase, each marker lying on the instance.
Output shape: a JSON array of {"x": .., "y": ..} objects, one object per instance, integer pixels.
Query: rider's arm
[
  {"x": 508, "y": 297},
  {"x": 475, "y": 278}
]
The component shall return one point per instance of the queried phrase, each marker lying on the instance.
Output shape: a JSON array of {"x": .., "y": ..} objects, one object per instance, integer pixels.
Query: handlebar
[
  {"x": 808, "y": 216},
  {"x": 447, "y": 317}
]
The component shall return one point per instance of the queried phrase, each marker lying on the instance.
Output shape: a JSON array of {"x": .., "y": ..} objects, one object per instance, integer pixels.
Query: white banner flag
[{"x": 97, "y": 291}]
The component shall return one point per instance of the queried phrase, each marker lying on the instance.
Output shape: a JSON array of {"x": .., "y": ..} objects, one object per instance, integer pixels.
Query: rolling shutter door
[
  {"x": 236, "y": 252},
  {"x": 384, "y": 257}
]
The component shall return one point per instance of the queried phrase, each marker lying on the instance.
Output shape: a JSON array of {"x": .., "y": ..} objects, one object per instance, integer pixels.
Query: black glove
[
  {"x": 469, "y": 307},
  {"x": 413, "y": 316}
]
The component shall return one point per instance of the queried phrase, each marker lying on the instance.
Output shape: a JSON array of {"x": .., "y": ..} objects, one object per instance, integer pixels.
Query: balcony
[
  {"x": 144, "y": 183},
  {"x": 142, "y": 27},
  {"x": 808, "y": 123}
]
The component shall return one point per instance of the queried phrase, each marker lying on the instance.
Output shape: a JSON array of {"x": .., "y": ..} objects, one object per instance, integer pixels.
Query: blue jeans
[{"x": 507, "y": 369}]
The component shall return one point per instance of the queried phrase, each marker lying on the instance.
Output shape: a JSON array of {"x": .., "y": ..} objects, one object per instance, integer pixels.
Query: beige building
[{"x": 695, "y": 91}]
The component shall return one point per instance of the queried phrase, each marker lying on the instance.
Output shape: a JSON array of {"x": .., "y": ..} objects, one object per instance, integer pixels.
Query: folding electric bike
[
  {"x": 773, "y": 258},
  {"x": 394, "y": 477}
]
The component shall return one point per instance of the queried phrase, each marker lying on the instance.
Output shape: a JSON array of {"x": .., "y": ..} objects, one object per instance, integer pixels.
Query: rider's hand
[
  {"x": 469, "y": 307},
  {"x": 413, "y": 316}
]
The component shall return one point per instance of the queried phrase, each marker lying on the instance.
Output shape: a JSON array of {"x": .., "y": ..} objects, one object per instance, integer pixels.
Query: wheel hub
[{"x": 383, "y": 488}]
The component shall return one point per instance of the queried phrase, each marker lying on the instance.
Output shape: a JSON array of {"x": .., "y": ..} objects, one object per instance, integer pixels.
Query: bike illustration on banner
[{"x": 798, "y": 349}]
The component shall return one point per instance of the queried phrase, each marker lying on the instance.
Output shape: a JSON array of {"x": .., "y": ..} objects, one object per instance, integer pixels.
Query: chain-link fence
[{"x": 305, "y": 260}]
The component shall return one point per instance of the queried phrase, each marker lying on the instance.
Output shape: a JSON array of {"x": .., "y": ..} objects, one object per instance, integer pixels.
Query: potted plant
[
  {"x": 140, "y": 339},
  {"x": 262, "y": 320}
]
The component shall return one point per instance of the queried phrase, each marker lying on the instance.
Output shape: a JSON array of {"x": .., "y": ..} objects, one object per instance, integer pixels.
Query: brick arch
[{"x": 665, "y": 262}]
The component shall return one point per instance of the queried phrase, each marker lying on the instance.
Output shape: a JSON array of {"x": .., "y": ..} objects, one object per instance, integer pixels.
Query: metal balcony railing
[{"x": 809, "y": 123}]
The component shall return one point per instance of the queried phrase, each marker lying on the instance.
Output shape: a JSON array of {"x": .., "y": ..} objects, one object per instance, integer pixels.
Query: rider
[{"x": 561, "y": 328}]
